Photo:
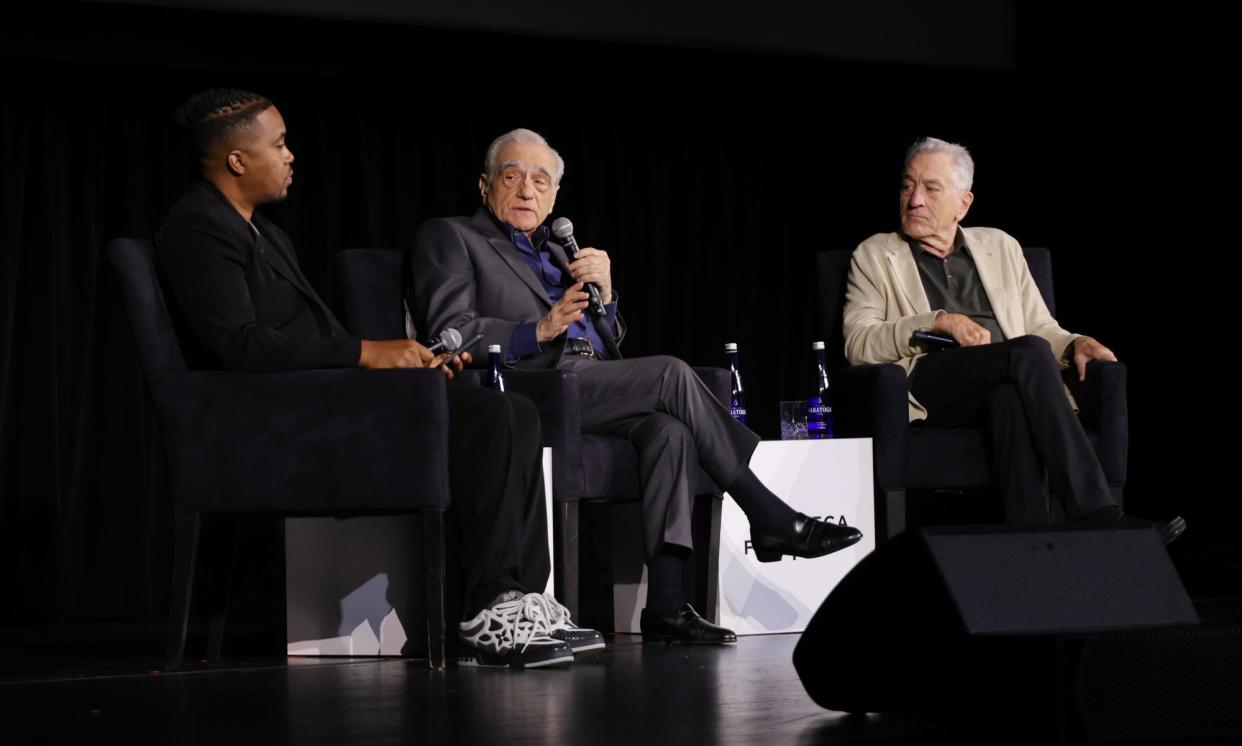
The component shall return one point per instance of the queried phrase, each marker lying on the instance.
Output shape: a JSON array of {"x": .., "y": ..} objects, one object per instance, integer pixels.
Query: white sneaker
[
  {"x": 561, "y": 627},
  {"x": 511, "y": 632}
]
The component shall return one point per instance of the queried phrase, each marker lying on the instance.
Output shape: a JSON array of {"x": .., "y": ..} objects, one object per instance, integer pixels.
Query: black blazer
[{"x": 243, "y": 295}]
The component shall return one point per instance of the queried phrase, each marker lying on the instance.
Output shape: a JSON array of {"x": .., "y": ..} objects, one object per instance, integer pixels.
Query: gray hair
[
  {"x": 526, "y": 136},
  {"x": 963, "y": 170}
]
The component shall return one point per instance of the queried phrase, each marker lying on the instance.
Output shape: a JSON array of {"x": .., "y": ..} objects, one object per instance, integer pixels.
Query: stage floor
[
  {"x": 628, "y": 693},
  {"x": 101, "y": 684}
]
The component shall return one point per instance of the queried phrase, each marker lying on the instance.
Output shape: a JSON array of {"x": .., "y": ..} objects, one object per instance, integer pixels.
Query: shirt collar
[
  {"x": 959, "y": 244},
  {"x": 538, "y": 238}
]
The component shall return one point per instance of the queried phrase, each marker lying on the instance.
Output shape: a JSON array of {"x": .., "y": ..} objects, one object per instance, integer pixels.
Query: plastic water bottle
[
  {"x": 737, "y": 394},
  {"x": 495, "y": 375},
  {"x": 819, "y": 403}
]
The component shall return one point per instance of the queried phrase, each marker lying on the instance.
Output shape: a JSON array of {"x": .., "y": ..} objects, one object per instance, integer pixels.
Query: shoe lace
[
  {"x": 522, "y": 620},
  {"x": 554, "y": 611}
]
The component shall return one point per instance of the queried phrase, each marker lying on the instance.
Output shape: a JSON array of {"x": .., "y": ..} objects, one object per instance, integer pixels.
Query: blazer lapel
[
  {"x": 275, "y": 251},
  {"x": 280, "y": 257},
  {"x": 277, "y": 258},
  {"x": 906, "y": 274},
  {"x": 508, "y": 253},
  {"x": 561, "y": 258},
  {"x": 987, "y": 264}
]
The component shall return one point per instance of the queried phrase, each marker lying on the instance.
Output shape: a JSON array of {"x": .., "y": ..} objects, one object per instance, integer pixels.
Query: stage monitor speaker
[{"x": 986, "y": 619}]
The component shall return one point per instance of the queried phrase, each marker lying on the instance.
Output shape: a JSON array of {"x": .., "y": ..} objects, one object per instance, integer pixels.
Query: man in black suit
[
  {"x": 235, "y": 280},
  {"x": 498, "y": 273}
]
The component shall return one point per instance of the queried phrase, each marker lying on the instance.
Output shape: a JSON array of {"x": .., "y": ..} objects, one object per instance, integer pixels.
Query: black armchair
[
  {"x": 870, "y": 401},
  {"x": 585, "y": 467},
  {"x": 333, "y": 442}
]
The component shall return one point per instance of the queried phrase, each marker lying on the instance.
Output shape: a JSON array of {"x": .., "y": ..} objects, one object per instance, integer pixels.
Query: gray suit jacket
[{"x": 468, "y": 275}]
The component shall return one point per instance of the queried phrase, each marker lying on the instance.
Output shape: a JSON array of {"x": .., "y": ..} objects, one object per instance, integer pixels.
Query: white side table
[
  {"x": 353, "y": 586},
  {"x": 822, "y": 478},
  {"x": 818, "y": 477}
]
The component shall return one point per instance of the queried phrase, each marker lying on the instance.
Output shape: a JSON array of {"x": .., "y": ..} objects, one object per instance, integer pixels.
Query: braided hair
[{"x": 219, "y": 115}]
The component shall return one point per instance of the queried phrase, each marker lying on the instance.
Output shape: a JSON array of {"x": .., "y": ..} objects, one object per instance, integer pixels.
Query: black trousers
[
  {"x": 496, "y": 485},
  {"x": 1013, "y": 390}
]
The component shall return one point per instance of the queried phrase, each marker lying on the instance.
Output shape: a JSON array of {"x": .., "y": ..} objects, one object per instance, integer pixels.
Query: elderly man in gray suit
[
  {"x": 499, "y": 273},
  {"x": 1003, "y": 373}
]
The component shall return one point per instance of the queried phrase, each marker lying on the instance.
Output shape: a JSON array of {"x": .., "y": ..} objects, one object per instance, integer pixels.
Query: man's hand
[
  {"x": 593, "y": 265},
  {"x": 453, "y": 366},
  {"x": 406, "y": 353},
  {"x": 962, "y": 328},
  {"x": 566, "y": 311},
  {"x": 1087, "y": 349}
]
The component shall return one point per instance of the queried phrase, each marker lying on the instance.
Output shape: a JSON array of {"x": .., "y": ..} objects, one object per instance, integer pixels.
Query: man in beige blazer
[{"x": 973, "y": 285}]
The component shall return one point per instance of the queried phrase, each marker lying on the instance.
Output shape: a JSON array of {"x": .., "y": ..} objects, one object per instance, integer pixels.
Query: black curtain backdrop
[{"x": 711, "y": 178}]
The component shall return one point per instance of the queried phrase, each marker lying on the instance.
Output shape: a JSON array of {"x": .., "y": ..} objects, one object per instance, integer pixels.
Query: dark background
[{"x": 711, "y": 166}]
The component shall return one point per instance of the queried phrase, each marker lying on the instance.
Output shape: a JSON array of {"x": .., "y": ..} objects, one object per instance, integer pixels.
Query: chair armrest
[
  {"x": 556, "y": 394},
  {"x": 716, "y": 379},
  {"x": 471, "y": 376},
  {"x": 318, "y": 441},
  {"x": 1102, "y": 407},
  {"x": 871, "y": 401}
]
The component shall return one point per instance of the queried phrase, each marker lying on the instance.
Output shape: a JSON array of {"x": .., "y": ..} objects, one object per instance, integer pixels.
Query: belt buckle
[{"x": 581, "y": 346}]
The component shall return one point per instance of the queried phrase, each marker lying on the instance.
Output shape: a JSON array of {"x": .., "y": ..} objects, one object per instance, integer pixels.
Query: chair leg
[
  {"x": 893, "y": 505},
  {"x": 229, "y": 540},
  {"x": 711, "y": 585},
  {"x": 565, "y": 555},
  {"x": 185, "y": 554},
  {"x": 433, "y": 554}
]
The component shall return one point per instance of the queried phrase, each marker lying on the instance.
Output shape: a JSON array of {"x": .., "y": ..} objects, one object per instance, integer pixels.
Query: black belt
[{"x": 579, "y": 346}]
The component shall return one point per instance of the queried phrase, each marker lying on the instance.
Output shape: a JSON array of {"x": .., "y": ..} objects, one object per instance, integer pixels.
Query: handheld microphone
[
  {"x": 933, "y": 340},
  {"x": 449, "y": 340},
  {"x": 564, "y": 231}
]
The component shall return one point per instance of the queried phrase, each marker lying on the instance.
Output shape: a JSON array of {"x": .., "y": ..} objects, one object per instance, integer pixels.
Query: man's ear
[
  {"x": 236, "y": 162},
  {"x": 968, "y": 199}
]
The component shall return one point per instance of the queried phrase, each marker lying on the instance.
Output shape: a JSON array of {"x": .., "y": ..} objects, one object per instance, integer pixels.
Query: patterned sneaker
[
  {"x": 562, "y": 627},
  {"x": 511, "y": 632}
]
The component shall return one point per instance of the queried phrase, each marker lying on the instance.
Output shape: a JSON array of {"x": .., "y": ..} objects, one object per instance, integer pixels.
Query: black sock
[
  {"x": 766, "y": 512},
  {"x": 665, "y": 574}
]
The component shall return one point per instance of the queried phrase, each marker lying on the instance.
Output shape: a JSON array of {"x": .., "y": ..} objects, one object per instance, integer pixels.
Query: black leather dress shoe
[
  {"x": 685, "y": 626},
  {"x": 811, "y": 537},
  {"x": 1169, "y": 530}
]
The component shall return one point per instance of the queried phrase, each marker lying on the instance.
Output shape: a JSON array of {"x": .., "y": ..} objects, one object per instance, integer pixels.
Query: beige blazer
[{"x": 885, "y": 302}]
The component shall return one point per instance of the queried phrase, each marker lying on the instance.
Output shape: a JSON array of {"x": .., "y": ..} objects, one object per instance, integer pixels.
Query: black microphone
[
  {"x": 564, "y": 230},
  {"x": 933, "y": 340},
  {"x": 449, "y": 340}
]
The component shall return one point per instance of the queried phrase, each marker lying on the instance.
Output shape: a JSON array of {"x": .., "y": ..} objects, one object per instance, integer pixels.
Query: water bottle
[
  {"x": 819, "y": 403},
  {"x": 737, "y": 395},
  {"x": 495, "y": 376}
]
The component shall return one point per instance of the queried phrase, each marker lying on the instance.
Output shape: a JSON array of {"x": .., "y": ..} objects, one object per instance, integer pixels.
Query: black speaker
[{"x": 995, "y": 623}]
